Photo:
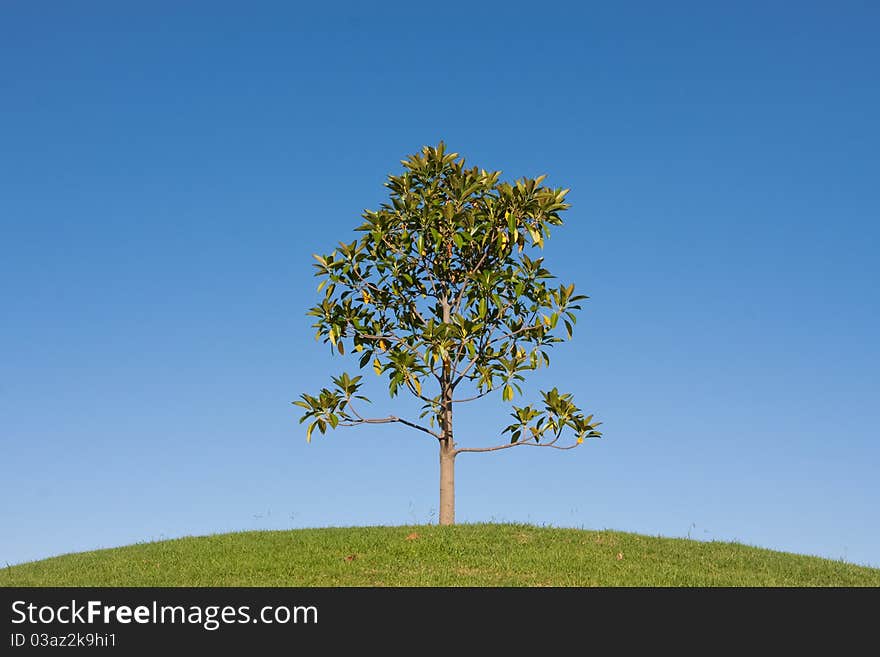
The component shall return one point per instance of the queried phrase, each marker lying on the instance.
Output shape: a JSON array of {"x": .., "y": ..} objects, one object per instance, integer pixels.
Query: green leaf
[{"x": 507, "y": 393}]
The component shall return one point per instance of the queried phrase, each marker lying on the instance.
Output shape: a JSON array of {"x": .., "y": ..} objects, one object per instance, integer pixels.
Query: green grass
[{"x": 463, "y": 555}]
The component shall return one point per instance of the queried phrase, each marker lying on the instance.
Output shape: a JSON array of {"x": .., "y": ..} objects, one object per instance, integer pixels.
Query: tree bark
[
  {"x": 447, "y": 484},
  {"x": 447, "y": 443}
]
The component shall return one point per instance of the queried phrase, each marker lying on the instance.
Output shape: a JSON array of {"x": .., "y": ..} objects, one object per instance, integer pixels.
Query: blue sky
[{"x": 167, "y": 170}]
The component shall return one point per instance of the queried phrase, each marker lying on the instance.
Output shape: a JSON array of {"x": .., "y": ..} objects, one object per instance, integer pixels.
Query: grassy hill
[{"x": 464, "y": 555}]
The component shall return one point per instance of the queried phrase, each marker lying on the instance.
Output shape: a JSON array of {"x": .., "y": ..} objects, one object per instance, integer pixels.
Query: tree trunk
[
  {"x": 447, "y": 444},
  {"x": 447, "y": 484}
]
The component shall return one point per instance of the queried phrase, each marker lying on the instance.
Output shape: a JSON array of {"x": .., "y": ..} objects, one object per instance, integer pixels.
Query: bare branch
[
  {"x": 528, "y": 443},
  {"x": 388, "y": 420},
  {"x": 414, "y": 393},
  {"x": 516, "y": 332},
  {"x": 516, "y": 444},
  {"x": 468, "y": 399},
  {"x": 353, "y": 409}
]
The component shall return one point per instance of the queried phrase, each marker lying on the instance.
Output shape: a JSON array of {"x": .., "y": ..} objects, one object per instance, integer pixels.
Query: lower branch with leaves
[{"x": 334, "y": 408}]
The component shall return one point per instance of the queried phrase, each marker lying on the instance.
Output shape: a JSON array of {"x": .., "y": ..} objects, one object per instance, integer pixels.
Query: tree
[{"x": 440, "y": 296}]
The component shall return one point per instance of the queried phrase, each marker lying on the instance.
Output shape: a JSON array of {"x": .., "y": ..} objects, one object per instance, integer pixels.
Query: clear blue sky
[{"x": 167, "y": 169}]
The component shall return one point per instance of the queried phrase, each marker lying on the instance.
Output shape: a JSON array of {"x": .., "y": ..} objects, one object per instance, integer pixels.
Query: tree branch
[
  {"x": 488, "y": 332},
  {"x": 415, "y": 262},
  {"x": 528, "y": 442},
  {"x": 516, "y": 444},
  {"x": 391, "y": 337},
  {"x": 388, "y": 420},
  {"x": 457, "y": 303},
  {"x": 517, "y": 332},
  {"x": 414, "y": 393},
  {"x": 474, "y": 397}
]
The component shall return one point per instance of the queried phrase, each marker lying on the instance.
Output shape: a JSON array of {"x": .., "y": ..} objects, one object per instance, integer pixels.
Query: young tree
[{"x": 440, "y": 296}]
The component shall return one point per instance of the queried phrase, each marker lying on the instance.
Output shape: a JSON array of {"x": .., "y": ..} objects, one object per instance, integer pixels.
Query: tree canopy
[{"x": 445, "y": 296}]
